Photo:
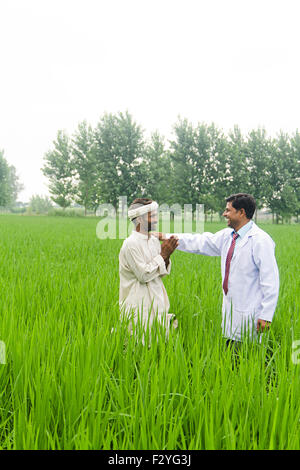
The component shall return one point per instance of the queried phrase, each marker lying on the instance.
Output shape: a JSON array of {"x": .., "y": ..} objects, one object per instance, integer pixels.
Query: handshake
[{"x": 168, "y": 245}]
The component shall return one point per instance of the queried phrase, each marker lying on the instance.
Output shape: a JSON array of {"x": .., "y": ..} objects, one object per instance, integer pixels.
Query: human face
[
  {"x": 152, "y": 220},
  {"x": 236, "y": 218},
  {"x": 148, "y": 222}
]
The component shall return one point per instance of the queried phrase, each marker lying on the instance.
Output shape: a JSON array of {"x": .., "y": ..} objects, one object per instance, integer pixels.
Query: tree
[
  {"x": 4, "y": 181},
  {"x": 157, "y": 170},
  {"x": 119, "y": 155},
  {"x": 58, "y": 169},
  {"x": 87, "y": 188},
  {"x": 258, "y": 158},
  {"x": 184, "y": 158},
  {"x": 295, "y": 169},
  {"x": 10, "y": 185},
  {"x": 14, "y": 184},
  {"x": 217, "y": 175},
  {"x": 39, "y": 204},
  {"x": 237, "y": 163},
  {"x": 283, "y": 197}
]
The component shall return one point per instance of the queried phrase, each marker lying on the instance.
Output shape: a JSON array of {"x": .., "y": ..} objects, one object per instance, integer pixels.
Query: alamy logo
[
  {"x": 114, "y": 224},
  {"x": 296, "y": 352},
  {"x": 2, "y": 353}
]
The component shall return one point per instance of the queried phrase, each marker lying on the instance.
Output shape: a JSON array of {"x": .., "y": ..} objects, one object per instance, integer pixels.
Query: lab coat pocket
[{"x": 243, "y": 323}]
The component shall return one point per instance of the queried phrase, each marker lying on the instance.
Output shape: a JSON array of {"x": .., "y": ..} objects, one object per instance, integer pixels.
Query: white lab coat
[
  {"x": 142, "y": 294},
  {"x": 253, "y": 278}
]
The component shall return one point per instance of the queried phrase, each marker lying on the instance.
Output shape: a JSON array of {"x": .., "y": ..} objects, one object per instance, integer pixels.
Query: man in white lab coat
[
  {"x": 250, "y": 278},
  {"x": 143, "y": 262}
]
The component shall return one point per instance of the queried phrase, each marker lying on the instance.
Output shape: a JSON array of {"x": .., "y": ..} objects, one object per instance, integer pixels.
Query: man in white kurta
[
  {"x": 143, "y": 262},
  {"x": 253, "y": 283}
]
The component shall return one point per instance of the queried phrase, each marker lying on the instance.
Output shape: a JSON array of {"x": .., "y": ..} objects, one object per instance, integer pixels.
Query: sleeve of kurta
[
  {"x": 168, "y": 269},
  {"x": 264, "y": 258},
  {"x": 145, "y": 272},
  {"x": 209, "y": 244}
]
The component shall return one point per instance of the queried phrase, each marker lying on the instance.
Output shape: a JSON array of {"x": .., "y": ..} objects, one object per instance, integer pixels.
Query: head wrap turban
[{"x": 137, "y": 212}]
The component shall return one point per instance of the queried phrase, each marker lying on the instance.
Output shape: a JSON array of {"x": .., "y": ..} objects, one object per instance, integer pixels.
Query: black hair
[
  {"x": 243, "y": 201},
  {"x": 142, "y": 200}
]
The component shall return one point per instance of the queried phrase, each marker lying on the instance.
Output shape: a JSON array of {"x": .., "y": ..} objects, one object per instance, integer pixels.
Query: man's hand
[
  {"x": 262, "y": 325},
  {"x": 167, "y": 248}
]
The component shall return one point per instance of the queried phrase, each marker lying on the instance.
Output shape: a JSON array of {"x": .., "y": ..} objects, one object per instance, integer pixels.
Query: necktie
[{"x": 228, "y": 261}]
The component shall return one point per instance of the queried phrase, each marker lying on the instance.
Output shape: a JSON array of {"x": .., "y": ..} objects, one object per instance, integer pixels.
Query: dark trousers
[
  {"x": 234, "y": 346},
  {"x": 231, "y": 342}
]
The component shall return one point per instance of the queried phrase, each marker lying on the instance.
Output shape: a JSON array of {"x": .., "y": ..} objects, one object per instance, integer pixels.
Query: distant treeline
[
  {"x": 10, "y": 185},
  {"x": 200, "y": 164}
]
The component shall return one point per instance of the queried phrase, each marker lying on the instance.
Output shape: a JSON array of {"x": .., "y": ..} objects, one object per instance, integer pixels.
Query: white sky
[{"x": 63, "y": 61}]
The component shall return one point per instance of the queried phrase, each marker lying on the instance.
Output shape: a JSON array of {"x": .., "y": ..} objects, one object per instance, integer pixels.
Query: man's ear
[{"x": 243, "y": 212}]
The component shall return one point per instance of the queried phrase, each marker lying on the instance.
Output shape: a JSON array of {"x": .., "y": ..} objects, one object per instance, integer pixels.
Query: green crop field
[{"x": 69, "y": 383}]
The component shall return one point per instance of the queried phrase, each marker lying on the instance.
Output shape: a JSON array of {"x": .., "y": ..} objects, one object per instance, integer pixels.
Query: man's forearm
[{"x": 205, "y": 244}]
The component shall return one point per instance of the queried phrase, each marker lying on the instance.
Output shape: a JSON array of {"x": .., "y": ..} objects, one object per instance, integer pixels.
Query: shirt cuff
[
  {"x": 161, "y": 265},
  {"x": 168, "y": 269},
  {"x": 266, "y": 317}
]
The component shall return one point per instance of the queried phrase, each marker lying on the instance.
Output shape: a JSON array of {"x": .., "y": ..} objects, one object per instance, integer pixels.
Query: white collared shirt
[{"x": 242, "y": 232}]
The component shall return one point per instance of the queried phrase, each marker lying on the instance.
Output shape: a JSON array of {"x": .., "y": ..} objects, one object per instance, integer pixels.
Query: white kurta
[
  {"x": 253, "y": 283},
  {"x": 142, "y": 294}
]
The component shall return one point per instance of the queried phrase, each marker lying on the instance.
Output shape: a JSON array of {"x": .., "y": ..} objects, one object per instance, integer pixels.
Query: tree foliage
[
  {"x": 10, "y": 185},
  {"x": 119, "y": 154},
  {"x": 84, "y": 166},
  {"x": 39, "y": 204},
  {"x": 200, "y": 164},
  {"x": 59, "y": 170}
]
